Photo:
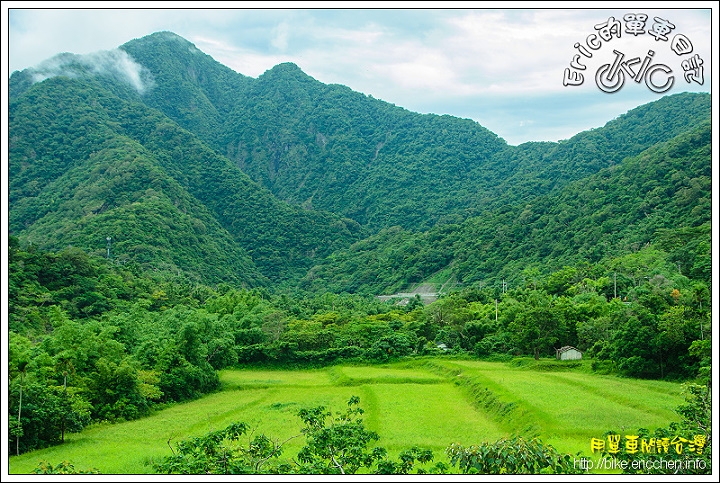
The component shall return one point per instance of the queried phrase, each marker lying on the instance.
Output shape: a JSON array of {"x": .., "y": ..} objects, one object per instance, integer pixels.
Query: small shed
[{"x": 568, "y": 353}]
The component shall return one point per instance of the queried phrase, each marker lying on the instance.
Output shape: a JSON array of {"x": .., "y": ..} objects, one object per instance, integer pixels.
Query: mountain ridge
[{"x": 292, "y": 169}]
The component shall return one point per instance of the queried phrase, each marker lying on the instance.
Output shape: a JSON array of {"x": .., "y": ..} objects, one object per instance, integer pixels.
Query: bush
[
  {"x": 511, "y": 456},
  {"x": 62, "y": 468}
]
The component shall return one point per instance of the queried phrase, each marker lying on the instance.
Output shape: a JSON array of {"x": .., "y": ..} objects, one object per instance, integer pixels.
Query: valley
[{"x": 198, "y": 247}]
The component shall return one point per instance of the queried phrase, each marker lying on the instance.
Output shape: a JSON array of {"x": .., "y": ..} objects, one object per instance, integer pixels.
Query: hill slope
[
  {"x": 616, "y": 211},
  {"x": 327, "y": 147},
  {"x": 60, "y": 126}
]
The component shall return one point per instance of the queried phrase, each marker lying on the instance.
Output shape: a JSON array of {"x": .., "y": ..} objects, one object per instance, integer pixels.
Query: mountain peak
[
  {"x": 285, "y": 69},
  {"x": 164, "y": 35},
  {"x": 165, "y": 38}
]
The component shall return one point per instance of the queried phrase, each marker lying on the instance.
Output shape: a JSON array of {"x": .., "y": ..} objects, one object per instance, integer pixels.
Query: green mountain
[
  {"x": 533, "y": 169},
  {"x": 327, "y": 147},
  {"x": 99, "y": 158},
  {"x": 188, "y": 86},
  {"x": 315, "y": 145},
  {"x": 191, "y": 167},
  {"x": 616, "y": 211}
]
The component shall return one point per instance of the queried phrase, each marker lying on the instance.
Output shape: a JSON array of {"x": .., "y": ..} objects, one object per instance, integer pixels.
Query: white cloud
[{"x": 114, "y": 63}]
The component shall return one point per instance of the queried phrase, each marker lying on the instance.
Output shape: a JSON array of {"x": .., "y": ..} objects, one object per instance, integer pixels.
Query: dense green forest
[
  {"x": 161, "y": 231},
  {"x": 100, "y": 159},
  {"x": 615, "y": 211},
  {"x": 327, "y": 147}
]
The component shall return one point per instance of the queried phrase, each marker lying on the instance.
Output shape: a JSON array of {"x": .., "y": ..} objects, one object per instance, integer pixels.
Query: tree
[
  {"x": 535, "y": 326},
  {"x": 222, "y": 452},
  {"x": 17, "y": 430},
  {"x": 339, "y": 444},
  {"x": 274, "y": 325}
]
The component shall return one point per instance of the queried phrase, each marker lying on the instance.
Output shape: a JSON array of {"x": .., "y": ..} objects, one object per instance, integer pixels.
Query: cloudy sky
[{"x": 502, "y": 67}]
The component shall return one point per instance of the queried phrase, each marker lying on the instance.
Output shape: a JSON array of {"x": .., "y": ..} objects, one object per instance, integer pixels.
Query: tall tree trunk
[
  {"x": 17, "y": 436},
  {"x": 62, "y": 426}
]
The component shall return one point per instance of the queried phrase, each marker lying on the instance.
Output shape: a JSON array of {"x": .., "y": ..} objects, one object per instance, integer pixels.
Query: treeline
[{"x": 94, "y": 341}]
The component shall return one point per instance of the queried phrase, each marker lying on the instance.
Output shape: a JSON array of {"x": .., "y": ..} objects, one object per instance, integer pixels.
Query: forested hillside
[
  {"x": 329, "y": 148},
  {"x": 616, "y": 211},
  {"x": 315, "y": 145},
  {"x": 76, "y": 159}
]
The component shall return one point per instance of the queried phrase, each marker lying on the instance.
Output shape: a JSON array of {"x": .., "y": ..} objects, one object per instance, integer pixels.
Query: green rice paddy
[{"x": 425, "y": 402}]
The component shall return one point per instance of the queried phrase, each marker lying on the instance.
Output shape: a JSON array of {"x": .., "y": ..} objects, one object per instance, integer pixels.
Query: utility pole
[
  {"x": 108, "y": 247},
  {"x": 615, "y": 284}
]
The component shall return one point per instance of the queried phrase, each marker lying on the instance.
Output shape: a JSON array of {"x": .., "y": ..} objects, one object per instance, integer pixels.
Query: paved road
[{"x": 426, "y": 292}]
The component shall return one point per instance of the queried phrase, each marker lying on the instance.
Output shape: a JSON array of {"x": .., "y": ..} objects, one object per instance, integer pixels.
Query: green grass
[
  {"x": 570, "y": 408},
  {"x": 428, "y": 416},
  {"x": 425, "y": 402}
]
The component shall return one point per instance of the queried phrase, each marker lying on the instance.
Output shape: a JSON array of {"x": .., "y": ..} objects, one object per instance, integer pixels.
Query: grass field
[{"x": 426, "y": 402}]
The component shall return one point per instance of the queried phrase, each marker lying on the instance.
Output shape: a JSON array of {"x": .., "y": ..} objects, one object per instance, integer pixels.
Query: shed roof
[{"x": 567, "y": 348}]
